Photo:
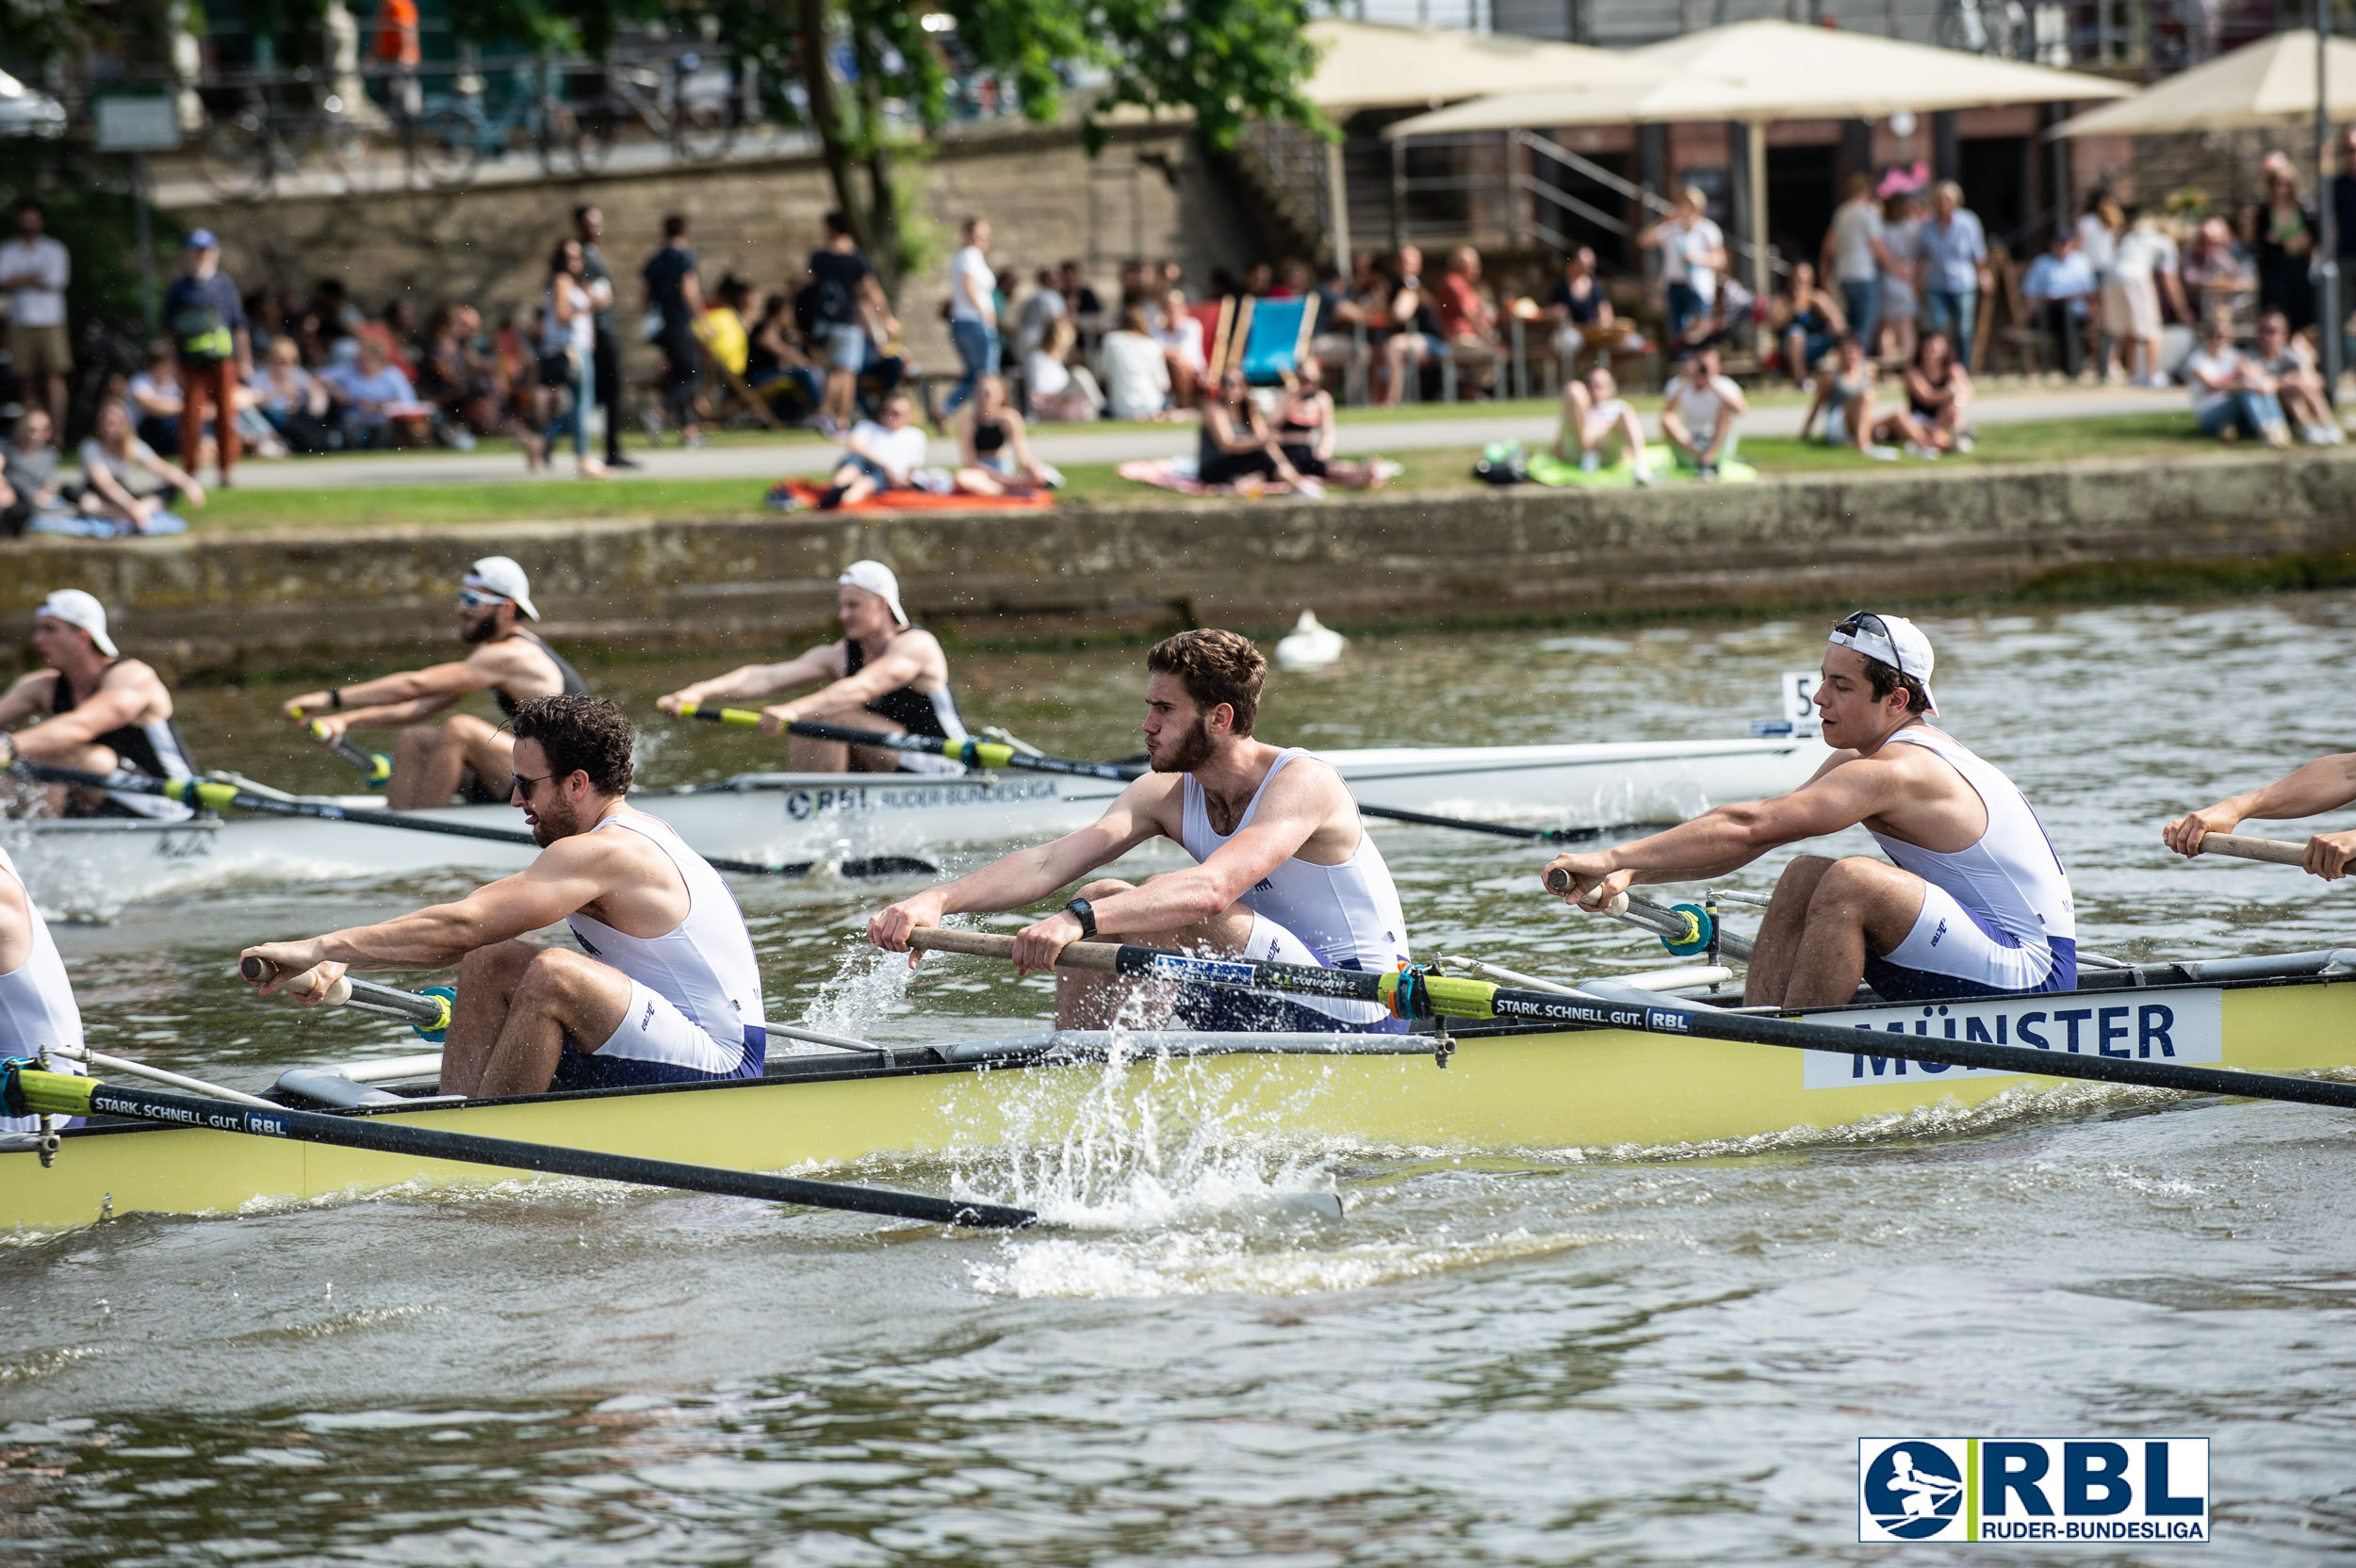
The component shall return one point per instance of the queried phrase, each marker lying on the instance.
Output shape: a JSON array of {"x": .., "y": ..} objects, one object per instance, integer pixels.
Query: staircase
[{"x": 1282, "y": 168}]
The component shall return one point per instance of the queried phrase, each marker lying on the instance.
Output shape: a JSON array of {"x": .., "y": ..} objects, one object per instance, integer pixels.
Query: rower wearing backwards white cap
[
  {"x": 94, "y": 710},
  {"x": 884, "y": 676},
  {"x": 1977, "y": 903},
  {"x": 462, "y": 755}
]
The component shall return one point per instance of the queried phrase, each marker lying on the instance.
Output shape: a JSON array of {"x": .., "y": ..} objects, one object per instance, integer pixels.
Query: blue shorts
[
  {"x": 657, "y": 1045},
  {"x": 876, "y": 471},
  {"x": 1225, "y": 1009},
  {"x": 1954, "y": 950}
]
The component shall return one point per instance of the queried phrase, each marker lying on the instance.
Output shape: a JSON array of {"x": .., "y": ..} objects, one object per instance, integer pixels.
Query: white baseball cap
[
  {"x": 75, "y": 608},
  {"x": 496, "y": 574},
  {"x": 1895, "y": 641},
  {"x": 877, "y": 578}
]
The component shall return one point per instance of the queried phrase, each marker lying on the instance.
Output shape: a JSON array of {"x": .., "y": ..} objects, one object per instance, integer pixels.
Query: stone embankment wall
[{"x": 1526, "y": 554}]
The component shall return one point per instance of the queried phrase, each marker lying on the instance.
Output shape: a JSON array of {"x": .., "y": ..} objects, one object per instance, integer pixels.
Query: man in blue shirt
[
  {"x": 2057, "y": 286},
  {"x": 1954, "y": 253},
  {"x": 206, "y": 318}
]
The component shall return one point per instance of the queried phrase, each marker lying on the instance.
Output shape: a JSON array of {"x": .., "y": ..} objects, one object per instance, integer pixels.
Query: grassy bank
[{"x": 1435, "y": 470}]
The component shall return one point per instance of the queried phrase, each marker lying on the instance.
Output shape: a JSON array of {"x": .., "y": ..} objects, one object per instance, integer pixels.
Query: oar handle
[
  {"x": 1558, "y": 883},
  {"x": 261, "y": 971},
  {"x": 1098, "y": 957},
  {"x": 2280, "y": 852},
  {"x": 743, "y": 718}
]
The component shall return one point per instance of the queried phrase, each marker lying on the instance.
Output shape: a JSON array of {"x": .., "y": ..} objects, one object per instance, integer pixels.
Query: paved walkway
[{"x": 497, "y": 463}]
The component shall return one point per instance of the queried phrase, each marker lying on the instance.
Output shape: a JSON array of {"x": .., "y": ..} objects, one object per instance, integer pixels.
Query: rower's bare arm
[
  {"x": 751, "y": 682},
  {"x": 1028, "y": 875},
  {"x": 1304, "y": 798},
  {"x": 899, "y": 667},
  {"x": 114, "y": 705},
  {"x": 27, "y": 697},
  {"x": 450, "y": 681},
  {"x": 2325, "y": 784},
  {"x": 567, "y": 877}
]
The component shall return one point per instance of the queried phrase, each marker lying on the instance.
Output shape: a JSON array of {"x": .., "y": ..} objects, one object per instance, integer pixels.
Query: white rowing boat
[{"x": 89, "y": 868}]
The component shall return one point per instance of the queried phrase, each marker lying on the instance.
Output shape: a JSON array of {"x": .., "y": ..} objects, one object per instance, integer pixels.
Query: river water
[{"x": 1580, "y": 1356}]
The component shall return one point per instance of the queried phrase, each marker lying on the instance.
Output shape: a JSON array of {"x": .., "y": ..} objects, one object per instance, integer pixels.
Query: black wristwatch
[
  {"x": 1084, "y": 913},
  {"x": 336, "y": 696}
]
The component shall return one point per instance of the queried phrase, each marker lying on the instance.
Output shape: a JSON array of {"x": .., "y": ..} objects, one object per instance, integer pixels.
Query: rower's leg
[
  {"x": 1777, "y": 947},
  {"x": 426, "y": 766},
  {"x": 1100, "y": 1001},
  {"x": 1860, "y": 905},
  {"x": 562, "y": 992},
  {"x": 87, "y": 757},
  {"x": 491, "y": 753},
  {"x": 804, "y": 755},
  {"x": 487, "y": 978}
]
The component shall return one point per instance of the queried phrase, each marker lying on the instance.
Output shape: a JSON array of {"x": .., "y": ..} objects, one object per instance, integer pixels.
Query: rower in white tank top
[
  {"x": 37, "y": 1007},
  {"x": 695, "y": 1003},
  {"x": 1337, "y": 917},
  {"x": 1996, "y": 915}
]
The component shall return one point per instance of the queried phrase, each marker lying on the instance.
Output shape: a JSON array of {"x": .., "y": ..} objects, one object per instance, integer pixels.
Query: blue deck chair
[{"x": 1276, "y": 335}]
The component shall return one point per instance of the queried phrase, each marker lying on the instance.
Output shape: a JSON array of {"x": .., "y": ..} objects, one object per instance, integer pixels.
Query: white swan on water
[{"x": 1309, "y": 646}]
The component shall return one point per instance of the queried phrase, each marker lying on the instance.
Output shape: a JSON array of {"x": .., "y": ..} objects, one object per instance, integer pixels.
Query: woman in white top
[
  {"x": 1137, "y": 375},
  {"x": 1060, "y": 390},
  {"x": 1181, "y": 337},
  {"x": 568, "y": 336},
  {"x": 2098, "y": 228},
  {"x": 2144, "y": 264},
  {"x": 124, "y": 482}
]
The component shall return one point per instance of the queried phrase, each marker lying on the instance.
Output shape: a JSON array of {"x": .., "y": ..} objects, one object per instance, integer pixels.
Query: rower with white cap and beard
[
  {"x": 1976, "y": 904},
  {"x": 96, "y": 712},
  {"x": 1285, "y": 870},
  {"x": 664, "y": 987},
  {"x": 884, "y": 676},
  {"x": 462, "y": 755}
]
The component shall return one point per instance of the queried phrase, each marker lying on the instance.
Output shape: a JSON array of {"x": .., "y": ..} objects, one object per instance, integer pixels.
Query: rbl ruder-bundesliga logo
[{"x": 2058, "y": 1489}]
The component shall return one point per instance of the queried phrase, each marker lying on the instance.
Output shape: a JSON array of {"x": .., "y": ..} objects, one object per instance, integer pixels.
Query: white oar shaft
[
  {"x": 141, "y": 1069},
  {"x": 2278, "y": 852}
]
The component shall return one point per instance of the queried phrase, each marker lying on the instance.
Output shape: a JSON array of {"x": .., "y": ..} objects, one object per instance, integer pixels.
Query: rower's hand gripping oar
[
  {"x": 1684, "y": 929},
  {"x": 994, "y": 754},
  {"x": 24, "y": 1090},
  {"x": 426, "y": 1011},
  {"x": 216, "y": 796},
  {"x": 376, "y": 769},
  {"x": 1413, "y": 993}
]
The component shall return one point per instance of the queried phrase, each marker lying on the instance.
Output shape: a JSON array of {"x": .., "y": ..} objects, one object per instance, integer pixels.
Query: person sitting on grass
[
  {"x": 1807, "y": 322},
  {"x": 1237, "y": 443},
  {"x": 1595, "y": 416},
  {"x": 1137, "y": 376},
  {"x": 1844, "y": 395},
  {"x": 1306, "y": 430},
  {"x": 1698, "y": 413},
  {"x": 29, "y": 472},
  {"x": 883, "y": 455},
  {"x": 1060, "y": 390},
  {"x": 123, "y": 482},
  {"x": 2231, "y": 395},
  {"x": 2297, "y": 381},
  {"x": 996, "y": 446},
  {"x": 1939, "y": 393}
]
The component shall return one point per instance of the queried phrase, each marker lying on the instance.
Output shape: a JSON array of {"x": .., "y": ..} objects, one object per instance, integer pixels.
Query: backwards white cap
[
  {"x": 1895, "y": 641},
  {"x": 877, "y": 578},
  {"x": 496, "y": 574},
  {"x": 75, "y": 608}
]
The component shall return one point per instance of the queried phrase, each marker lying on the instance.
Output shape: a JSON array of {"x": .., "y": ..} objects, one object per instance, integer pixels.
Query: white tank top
[
  {"x": 2012, "y": 874},
  {"x": 704, "y": 966},
  {"x": 1348, "y": 913},
  {"x": 36, "y": 1006}
]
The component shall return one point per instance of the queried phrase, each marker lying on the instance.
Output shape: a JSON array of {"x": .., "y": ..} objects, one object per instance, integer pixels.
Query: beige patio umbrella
[
  {"x": 2269, "y": 83},
  {"x": 1760, "y": 72}
]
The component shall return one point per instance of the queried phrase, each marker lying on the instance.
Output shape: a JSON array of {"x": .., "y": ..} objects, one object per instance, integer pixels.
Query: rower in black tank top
[
  {"x": 158, "y": 750},
  {"x": 916, "y": 713},
  {"x": 574, "y": 685}
]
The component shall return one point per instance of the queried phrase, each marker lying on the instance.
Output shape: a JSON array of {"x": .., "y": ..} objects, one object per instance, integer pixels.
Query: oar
[
  {"x": 27, "y": 1092},
  {"x": 1410, "y": 993},
  {"x": 2281, "y": 852},
  {"x": 994, "y": 754},
  {"x": 376, "y": 769},
  {"x": 427, "y": 1011},
  {"x": 217, "y": 797}
]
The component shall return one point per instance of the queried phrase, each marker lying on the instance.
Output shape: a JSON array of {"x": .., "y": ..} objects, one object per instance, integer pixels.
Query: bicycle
[
  {"x": 696, "y": 124},
  {"x": 245, "y": 154},
  {"x": 453, "y": 134}
]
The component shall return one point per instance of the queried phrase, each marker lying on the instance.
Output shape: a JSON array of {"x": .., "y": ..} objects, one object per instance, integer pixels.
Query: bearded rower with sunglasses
[
  {"x": 462, "y": 755},
  {"x": 664, "y": 987},
  {"x": 1977, "y": 903}
]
